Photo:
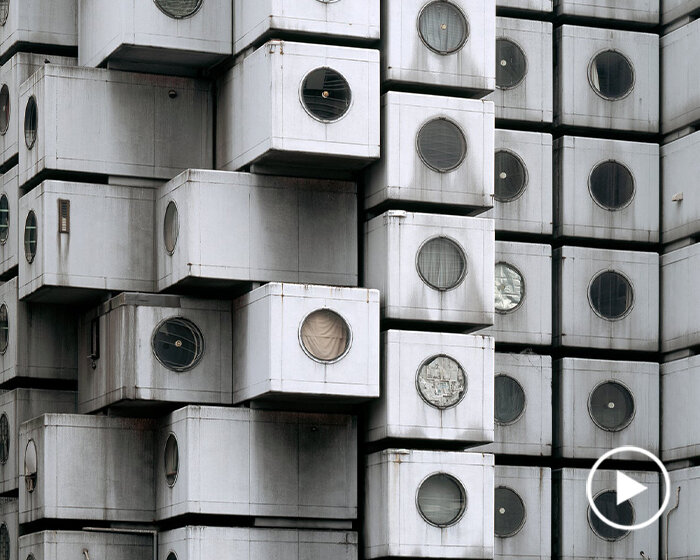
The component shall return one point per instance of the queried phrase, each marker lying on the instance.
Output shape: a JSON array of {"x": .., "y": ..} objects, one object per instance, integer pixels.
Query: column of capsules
[
  {"x": 680, "y": 264},
  {"x": 430, "y": 252},
  {"x": 187, "y": 258},
  {"x": 606, "y": 274}
]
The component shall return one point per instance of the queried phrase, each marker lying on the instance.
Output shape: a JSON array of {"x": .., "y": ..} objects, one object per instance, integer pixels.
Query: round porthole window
[
  {"x": 4, "y": 219},
  {"x": 611, "y": 295},
  {"x": 511, "y": 64},
  {"x": 325, "y": 336},
  {"x": 4, "y": 438},
  {"x": 31, "y": 121},
  {"x": 30, "y": 237},
  {"x": 611, "y": 406},
  {"x": 441, "y": 145},
  {"x": 509, "y": 288},
  {"x": 441, "y": 500},
  {"x": 4, "y": 11},
  {"x": 171, "y": 460},
  {"x": 606, "y": 502},
  {"x": 441, "y": 382},
  {"x": 4, "y": 543},
  {"x": 509, "y": 512},
  {"x": 4, "y": 109},
  {"x": 611, "y": 185},
  {"x": 171, "y": 227},
  {"x": 178, "y": 344},
  {"x": 611, "y": 75},
  {"x": 510, "y": 176},
  {"x": 179, "y": 8},
  {"x": 30, "y": 466},
  {"x": 326, "y": 94},
  {"x": 441, "y": 263},
  {"x": 4, "y": 330},
  {"x": 443, "y": 27},
  {"x": 509, "y": 400}
]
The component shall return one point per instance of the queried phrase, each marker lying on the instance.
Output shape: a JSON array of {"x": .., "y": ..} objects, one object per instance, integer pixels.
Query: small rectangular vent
[{"x": 63, "y": 216}]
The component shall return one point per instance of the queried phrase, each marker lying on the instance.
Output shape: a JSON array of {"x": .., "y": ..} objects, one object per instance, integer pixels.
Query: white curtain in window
[
  {"x": 325, "y": 335},
  {"x": 441, "y": 263}
]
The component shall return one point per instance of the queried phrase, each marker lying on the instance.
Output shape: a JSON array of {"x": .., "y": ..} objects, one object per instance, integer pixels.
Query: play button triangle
[{"x": 627, "y": 488}]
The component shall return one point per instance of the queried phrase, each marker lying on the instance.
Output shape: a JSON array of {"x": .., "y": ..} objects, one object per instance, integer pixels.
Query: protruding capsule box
[
  {"x": 306, "y": 342},
  {"x": 436, "y": 150},
  {"x": 429, "y": 504},
  {"x": 431, "y": 267},
  {"x": 295, "y": 107},
  {"x": 435, "y": 386},
  {"x": 606, "y": 79}
]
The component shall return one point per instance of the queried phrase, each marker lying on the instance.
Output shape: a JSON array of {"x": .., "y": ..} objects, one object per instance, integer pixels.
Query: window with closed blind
[
  {"x": 441, "y": 145},
  {"x": 443, "y": 27},
  {"x": 441, "y": 263},
  {"x": 325, "y": 336},
  {"x": 611, "y": 295}
]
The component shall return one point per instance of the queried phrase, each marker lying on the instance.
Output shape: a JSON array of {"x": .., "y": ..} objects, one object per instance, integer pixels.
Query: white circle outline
[{"x": 667, "y": 488}]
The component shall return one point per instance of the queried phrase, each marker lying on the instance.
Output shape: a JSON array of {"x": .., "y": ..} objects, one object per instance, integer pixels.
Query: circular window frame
[
  {"x": 522, "y": 523},
  {"x": 459, "y": 484},
  {"x": 197, "y": 332},
  {"x": 36, "y": 473},
  {"x": 590, "y": 185},
  {"x": 590, "y": 513},
  {"x": 194, "y": 12},
  {"x": 3, "y": 351},
  {"x": 466, "y": 381},
  {"x": 165, "y": 459},
  {"x": 30, "y": 257},
  {"x": 462, "y": 277},
  {"x": 3, "y": 131},
  {"x": 590, "y": 300},
  {"x": 466, "y": 21},
  {"x": 524, "y": 292},
  {"x": 461, "y": 132},
  {"x": 527, "y": 64},
  {"x": 4, "y": 14},
  {"x": 9, "y": 438},
  {"x": 5, "y": 530},
  {"x": 526, "y": 183},
  {"x": 522, "y": 412},
  {"x": 590, "y": 80},
  {"x": 308, "y": 111},
  {"x": 3, "y": 240},
  {"x": 309, "y": 354},
  {"x": 634, "y": 406},
  {"x": 171, "y": 203},
  {"x": 31, "y": 102}
]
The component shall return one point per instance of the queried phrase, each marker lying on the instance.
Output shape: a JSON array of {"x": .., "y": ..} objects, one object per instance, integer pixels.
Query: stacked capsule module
[{"x": 680, "y": 266}]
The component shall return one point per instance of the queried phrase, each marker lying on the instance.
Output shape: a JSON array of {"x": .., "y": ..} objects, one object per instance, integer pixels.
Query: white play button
[{"x": 627, "y": 488}]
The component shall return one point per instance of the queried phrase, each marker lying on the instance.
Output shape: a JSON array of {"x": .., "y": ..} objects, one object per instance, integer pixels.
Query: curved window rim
[
  {"x": 9, "y": 112},
  {"x": 466, "y": 35},
  {"x": 3, "y": 241},
  {"x": 35, "y": 107},
  {"x": 522, "y": 296},
  {"x": 522, "y": 523},
  {"x": 309, "y": 354},
  {"x": 191, "y": 324},
  {"x": 590, "y": 301},
  {"x": 177, "y": 229},
  {"x": 308, "y": 111},
  {"x": 590, "y": 408},
  {"x": 466, "y": 381},
  {"x": 527, "y": 64},
  {"x": 165, "y": 459},
  {"x": 525, "y": 184},
  {"x": 522, "y": 412},
  {"x": 196, "y": 10},
  {"x": 9, "y": 442},
  {"x": 591, "y": 513},
  {"x": 26, "y": 255},
  {"x": 464, "y": 256},
  {"x": 595, "y": 89},
  {"x": 3, "y": 19},
  {"x": 459, "y": 517},
  {"x": 464, "y": 139},
  {"x": 4, "y": 350},
  {"x": 36, "y": 472},
  {"x": 590, "y": 186}
]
